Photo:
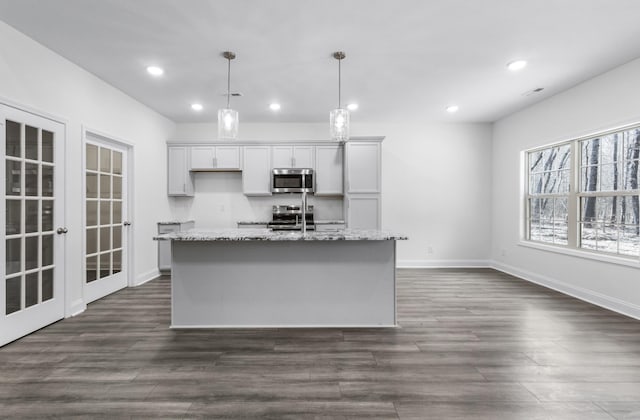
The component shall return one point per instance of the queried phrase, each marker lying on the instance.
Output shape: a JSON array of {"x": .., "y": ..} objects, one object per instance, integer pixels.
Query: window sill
[{"x": 611, "y": 259}]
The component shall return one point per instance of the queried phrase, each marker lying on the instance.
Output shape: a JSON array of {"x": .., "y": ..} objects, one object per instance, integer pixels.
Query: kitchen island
[{"x": 259, "y": 278}]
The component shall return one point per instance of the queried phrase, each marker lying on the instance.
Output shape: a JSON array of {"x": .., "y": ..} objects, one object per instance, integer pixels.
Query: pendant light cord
[
  {"x": 339, "y": 81},
  {"x": 228, "y": 81}
]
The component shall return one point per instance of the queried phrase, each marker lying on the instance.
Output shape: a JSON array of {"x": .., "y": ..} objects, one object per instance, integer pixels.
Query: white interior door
[
  {"x": 106, "y": 223},
  {"x": 32, "y": 247}
]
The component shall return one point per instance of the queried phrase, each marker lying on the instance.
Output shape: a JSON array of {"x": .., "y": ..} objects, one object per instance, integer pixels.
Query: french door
[
  {"x": 32, "y": 247},
  {"x": 106, "y": 225}
]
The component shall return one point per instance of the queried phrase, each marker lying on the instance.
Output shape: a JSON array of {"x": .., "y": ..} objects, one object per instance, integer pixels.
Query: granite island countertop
[{"x": 204, "y": 235}]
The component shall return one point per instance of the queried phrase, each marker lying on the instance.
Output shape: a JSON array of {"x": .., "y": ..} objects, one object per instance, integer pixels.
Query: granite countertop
[
  {"x": 174, "y": 222},
  {"x": 268, "y": 235}
]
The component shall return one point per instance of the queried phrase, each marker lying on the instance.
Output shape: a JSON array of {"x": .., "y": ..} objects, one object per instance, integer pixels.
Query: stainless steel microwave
[{"x": 288, "y": 180}]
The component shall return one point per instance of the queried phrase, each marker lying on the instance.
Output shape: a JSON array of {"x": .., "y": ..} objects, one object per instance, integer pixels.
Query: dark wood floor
[{"x": 474, "y": 344}]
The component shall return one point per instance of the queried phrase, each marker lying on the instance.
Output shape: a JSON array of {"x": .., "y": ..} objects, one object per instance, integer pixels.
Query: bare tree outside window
[{"x": 606, "y": 200}]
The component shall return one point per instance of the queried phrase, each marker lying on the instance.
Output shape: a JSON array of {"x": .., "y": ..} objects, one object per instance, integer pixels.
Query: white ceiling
[{"x": 406, "y": 59}]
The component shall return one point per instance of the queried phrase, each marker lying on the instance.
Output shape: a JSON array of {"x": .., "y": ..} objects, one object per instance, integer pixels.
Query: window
[
  {"x": 549, "y": 194},
  {"x": 584, "y": 193}
]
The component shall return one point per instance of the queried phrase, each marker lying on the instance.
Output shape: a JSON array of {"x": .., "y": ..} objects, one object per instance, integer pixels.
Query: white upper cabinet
[
  {"x": 328, "y": 170},
  {"x": 202, "y": 157},
  {"x": 220, "y": 158},
  {"x": 285, "y": 156},
  {"x": 256, "y": 175},
  {"x": 363, "y": 167},
  {"x": 179, "y": 180}
]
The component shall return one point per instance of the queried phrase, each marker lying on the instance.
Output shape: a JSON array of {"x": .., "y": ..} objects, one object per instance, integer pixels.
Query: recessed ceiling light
[
  {"x": 452, "y": 108},
  {"x": 155, "y": 70},
  {"x": 196, "y": 107},
  {"x": 517, "y": 65},
  {"x": 352, "y": 107},
  {"x": 274, "y": 107}
]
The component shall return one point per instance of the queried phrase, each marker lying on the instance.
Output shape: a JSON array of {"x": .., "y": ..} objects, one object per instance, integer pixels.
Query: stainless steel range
[{"x": 290, "y": 218}]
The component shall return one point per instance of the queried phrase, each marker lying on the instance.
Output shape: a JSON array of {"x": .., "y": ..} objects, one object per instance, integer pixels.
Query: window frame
[{"x": 574, "y": 197}]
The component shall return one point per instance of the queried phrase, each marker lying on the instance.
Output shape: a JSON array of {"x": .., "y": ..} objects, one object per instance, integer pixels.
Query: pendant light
[
  {"x": 227, "y": 117},
  {"x": 339, "y": 117}
]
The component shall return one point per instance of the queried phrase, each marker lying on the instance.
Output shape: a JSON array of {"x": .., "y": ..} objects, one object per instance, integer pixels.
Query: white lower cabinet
[
  {"x": 164, "y": 247},
  {"x": 363, "y": 211},
  {"x": 256, "y": 176}
]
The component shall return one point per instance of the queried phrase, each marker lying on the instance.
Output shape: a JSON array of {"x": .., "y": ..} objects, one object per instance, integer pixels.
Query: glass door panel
[
  {"x": 31, "y": 296},
  {"x": 105, "y": 206}
]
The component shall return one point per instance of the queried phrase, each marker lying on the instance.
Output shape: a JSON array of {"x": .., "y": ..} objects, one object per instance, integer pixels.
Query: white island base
[{"x": 298, "y": 283}]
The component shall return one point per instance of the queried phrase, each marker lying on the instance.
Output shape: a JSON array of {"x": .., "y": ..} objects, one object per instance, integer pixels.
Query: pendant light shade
[
  {"x": 339, "y": 117},
  {"x": 227, "y": 123},
  {"x": 339, "y": 121},
  {"x": 228, "y": 118}
]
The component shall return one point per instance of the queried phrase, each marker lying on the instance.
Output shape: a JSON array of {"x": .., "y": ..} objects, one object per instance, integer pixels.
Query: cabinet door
[
  {"x": 179, "y": 181},
  {"x": 202, "y": 157},
  {"x": 363, "y": 211},
  {"x": 328, "y": 170},
  {"x": 164, "y": 247},
  {"x": 227, "y": 157},
  {"x": 282, "y": 156},
  {"x": 256, "y": 176},
  {"x": 303, "y": 157},
  {"x": 363, "y": 167}
]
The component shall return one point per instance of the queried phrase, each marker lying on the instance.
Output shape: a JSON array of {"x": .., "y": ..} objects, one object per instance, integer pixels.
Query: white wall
[
  {"x": 604, "y": 102},
  {"x": 35, "y": 77},
  {"x": 435, "y": 181}
]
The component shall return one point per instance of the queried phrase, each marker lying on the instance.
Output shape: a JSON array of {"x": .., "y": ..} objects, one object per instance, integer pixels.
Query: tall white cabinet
[{"x": 362, "y": 200}]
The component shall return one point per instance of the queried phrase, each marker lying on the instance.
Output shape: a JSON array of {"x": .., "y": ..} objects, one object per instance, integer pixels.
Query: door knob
[
  {"x": 127, "y": 223},
  {"x": 62, "y": 230}
]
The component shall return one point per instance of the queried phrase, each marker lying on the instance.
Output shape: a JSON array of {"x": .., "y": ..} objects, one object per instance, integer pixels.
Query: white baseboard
[
  {"x": 145, "y": 277},
  {"x": 595, "y": 298},
  {"x": 77, "y": 307},
  {"x": 442, "y": 263}
]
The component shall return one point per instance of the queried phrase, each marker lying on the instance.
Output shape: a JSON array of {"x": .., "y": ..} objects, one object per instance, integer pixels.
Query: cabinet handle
[
  {"x": 215, "y": 162},
  {"x": 184, "y": 187},
  {"x": 293, "y": 162}
]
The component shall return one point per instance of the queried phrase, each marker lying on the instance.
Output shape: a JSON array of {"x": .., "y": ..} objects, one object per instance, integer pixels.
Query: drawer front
[
  {"x": 168, "y": 228},
  {"x": 333, "y": 227}
]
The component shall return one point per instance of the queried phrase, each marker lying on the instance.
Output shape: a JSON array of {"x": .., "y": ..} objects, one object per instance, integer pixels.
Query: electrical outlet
[
  {"x": 429, "y": 250},
  {"x": 222, "y": 208},
  {"x": 503, "y": 252}
]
